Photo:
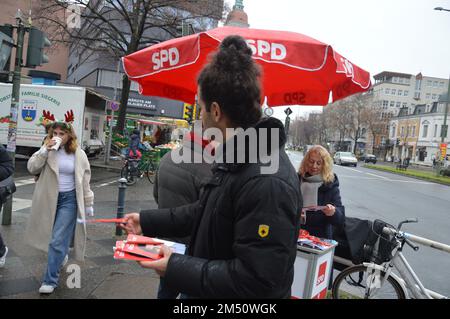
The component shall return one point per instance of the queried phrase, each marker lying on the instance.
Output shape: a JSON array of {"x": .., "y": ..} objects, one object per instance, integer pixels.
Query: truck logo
[{"x": 29, "y": 110}]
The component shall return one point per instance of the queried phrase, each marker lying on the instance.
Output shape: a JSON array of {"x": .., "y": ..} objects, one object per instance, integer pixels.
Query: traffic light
[
  {"x": 37, "y": 41},
  {"x": 188, "y": 113},
  {"x": 397, "y": 142}
]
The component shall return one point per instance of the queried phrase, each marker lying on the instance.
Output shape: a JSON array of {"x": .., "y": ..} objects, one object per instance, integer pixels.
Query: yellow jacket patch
[{"x": 263, "y": 230}]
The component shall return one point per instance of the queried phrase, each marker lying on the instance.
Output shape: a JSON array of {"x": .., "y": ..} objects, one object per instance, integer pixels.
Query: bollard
[{"x": 121, "y": 203}]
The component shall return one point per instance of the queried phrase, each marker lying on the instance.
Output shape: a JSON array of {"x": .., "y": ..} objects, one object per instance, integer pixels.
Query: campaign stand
[{"x": 312, "y": 270}]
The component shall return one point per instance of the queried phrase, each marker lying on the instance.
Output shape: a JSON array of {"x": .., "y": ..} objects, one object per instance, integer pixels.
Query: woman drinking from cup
[{"x": 62, "y": 194}]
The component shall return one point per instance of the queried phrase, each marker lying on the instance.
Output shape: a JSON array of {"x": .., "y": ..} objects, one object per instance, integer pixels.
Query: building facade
[
  {"x": 393, "y": 91},
  {"x": 418, "y": 136}
]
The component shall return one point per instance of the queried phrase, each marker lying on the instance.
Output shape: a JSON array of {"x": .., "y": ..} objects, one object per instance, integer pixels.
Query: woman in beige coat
[{"x": 61, "y": 196}]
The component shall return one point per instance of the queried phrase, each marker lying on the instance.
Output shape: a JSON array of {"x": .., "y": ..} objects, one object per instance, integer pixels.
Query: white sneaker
[
  {"x": 66, "y": 259},
  {"x": 46, "y": 289},
  {"x": 3, "y": 258}
]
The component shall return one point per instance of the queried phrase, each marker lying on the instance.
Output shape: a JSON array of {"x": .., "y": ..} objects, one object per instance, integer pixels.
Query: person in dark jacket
[
  {"x": 135, "y": 140},
  {"x": 6, "y": 170},
  {"x": 178, "y": 184},
  {"x": 320, "y": 187},
  {"x": 244, "y": 228}
]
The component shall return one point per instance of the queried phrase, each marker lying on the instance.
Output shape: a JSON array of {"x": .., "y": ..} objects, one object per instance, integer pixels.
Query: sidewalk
[
  {"x": 102, "y": 277},
  {"x": 414, "y": 166}
]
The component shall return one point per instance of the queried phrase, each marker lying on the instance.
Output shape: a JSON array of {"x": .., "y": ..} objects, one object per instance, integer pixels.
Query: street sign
[
  {"x": 288, "y": 111},
  {"x": 268, "y": 111},
  {"x": 113, "y": 105}
]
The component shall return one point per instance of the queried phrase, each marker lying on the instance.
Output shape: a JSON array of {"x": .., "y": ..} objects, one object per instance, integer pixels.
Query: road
[{"x": 370, "y": 194}]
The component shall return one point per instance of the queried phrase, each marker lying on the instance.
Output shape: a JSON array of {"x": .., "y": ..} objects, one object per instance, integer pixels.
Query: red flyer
[
  {"x": 136, "y": 239},
  {"x": 119, "y": 254},
  {"x": 111, "y": 220},
  {"x": 148, "y": 251}
]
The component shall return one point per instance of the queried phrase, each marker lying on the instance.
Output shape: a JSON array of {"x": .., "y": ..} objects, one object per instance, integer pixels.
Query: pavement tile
[{"x": 16, "y": 286}]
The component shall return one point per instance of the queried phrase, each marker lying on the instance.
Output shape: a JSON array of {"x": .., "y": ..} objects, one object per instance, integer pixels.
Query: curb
[{"x": 411, "y": 176}]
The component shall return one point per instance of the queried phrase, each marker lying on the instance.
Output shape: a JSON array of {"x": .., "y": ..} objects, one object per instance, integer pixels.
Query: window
[
  {"x": 385, "y": 104},
  {"x": 434, "y": 96},
  {"x": 400, "y": 92},
  {"x": 392, "y": 104},
  {"x": 441, "y": 84},
  {"x": 405, "y": 93},
  {"x": 428, "y": 96},
  {"x": 417, "y": 95},
  {"x": 393, "y": 131},
  {"x": 425, "y": 131},
  {"x": 435, "y": 130},
  {"x": 387, "y": 91},
  {"x": 393, "y": 91},
  {"x": 413, "y": 131},
  {"x": 435, "y": 84},
  {"x": 418, "y": 85},
  {"x": 402, "y": 134},
  {"x": 400, "y": 80},
  {"x": 398, "y": 104},
  {"x": 404, "y": 104},
  {"x": 429, "y": 83},
  {"x": 395, "y": 79}
]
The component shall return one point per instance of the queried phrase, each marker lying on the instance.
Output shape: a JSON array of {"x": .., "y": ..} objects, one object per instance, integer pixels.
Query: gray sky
[{"x": 379, "y": 35}]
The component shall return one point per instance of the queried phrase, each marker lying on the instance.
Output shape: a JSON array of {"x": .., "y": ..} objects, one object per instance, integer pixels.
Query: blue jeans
[{"x": 63, "y": 230}]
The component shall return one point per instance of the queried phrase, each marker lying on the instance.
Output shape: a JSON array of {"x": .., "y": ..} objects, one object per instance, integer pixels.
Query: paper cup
[{"x": 58, "y": 141}]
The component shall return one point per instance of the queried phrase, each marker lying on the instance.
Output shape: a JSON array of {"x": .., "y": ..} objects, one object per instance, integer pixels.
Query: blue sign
[{"x": 29, "y": 110}]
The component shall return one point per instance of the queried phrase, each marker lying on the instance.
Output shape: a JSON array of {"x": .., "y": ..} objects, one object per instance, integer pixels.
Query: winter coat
[
  {"x": 317, "y": 223},
  {"x": 45, "y": 198},
  {"x": 244, "y": 230},
  {"x": 178, "y": 184},
  {"x": 6, "y": 166}
]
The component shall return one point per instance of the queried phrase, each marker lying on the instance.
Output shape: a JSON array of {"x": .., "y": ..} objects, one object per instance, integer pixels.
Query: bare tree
[
  {"x": 121, "y": 27},
  {"x": 376, "y": 122}
]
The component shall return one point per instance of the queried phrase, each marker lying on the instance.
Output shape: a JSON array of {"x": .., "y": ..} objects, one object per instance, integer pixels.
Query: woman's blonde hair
[
  {"x": 327, "y": 166},
  {"x": 72, "y": 144}
]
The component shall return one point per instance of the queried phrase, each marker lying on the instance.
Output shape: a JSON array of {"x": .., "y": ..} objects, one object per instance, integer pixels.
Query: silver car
[{"x": 345, "y": 158}]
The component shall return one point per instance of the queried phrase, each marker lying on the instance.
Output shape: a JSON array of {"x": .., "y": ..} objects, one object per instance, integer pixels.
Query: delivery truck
[{"x": 87, "y": 106}]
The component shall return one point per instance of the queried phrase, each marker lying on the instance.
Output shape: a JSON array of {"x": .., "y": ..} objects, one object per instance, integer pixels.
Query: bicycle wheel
[
  {"x": 126, "y": 173},
  {"x": 351, "y": 283}
]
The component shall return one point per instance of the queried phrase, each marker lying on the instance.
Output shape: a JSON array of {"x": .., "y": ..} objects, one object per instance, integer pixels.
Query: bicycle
[
  {"x": 136, "y": 168},
  {"x": 376, "y": 280}
]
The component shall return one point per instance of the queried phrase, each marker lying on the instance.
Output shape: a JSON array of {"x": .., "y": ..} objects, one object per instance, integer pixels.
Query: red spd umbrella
[{"x": 296, "y": 69}]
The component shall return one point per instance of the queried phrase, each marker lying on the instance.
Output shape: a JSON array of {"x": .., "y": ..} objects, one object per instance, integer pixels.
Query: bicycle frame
[{"x": 407, "y": 278}]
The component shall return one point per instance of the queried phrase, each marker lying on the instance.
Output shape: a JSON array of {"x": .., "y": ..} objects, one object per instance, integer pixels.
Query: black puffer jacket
[
  {"x": 317, "y": 223},
  {"x": 244, "y": 231},
  {"x": 6, "y": 166}
]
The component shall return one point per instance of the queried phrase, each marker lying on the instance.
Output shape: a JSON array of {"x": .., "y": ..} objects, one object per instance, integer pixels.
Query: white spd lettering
[
  {"x": 320, "y": 280},
  {"x": 162, "y": 57},
  {"x": 277, "y": 51},
  {"x": 348, "y": 67}
]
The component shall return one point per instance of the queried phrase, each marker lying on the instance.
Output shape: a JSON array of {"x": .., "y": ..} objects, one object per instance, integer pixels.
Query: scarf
[{"x": 310, "y": 189}]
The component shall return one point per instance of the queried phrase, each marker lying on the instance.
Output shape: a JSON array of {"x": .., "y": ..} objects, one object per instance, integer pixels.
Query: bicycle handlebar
[
  {"x": 410, "y": 244},
  {"x": 420, "y": 240}
]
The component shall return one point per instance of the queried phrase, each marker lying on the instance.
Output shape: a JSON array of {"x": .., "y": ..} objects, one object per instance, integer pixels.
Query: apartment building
[{"x": 393, "y": 91}]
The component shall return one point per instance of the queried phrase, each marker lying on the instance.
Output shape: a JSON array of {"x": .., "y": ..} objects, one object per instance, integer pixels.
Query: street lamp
[{"x": 441, "y": 9}]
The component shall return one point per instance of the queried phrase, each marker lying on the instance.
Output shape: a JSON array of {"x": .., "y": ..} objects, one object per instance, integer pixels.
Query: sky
[{"x": 406, "y": 36}]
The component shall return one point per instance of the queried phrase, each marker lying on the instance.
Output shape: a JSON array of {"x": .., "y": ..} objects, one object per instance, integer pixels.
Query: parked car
[
  {"x": 369, "y": 158},
  {"x": 345, "y": 158}
]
